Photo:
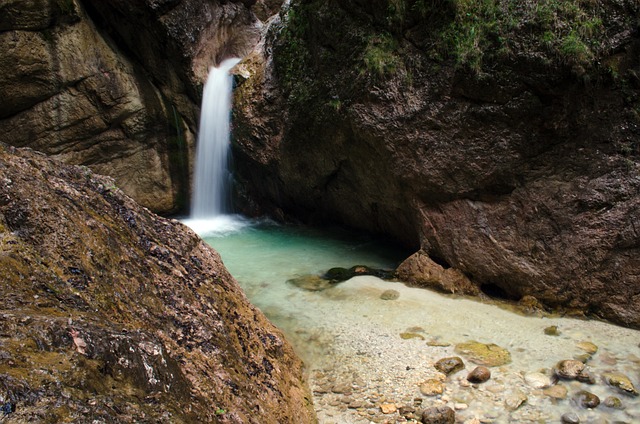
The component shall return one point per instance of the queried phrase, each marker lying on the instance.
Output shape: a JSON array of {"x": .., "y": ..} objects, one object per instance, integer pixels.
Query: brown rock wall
[
  {"x": 523, "y": 174},
  {"x": 116, "y": 85}
]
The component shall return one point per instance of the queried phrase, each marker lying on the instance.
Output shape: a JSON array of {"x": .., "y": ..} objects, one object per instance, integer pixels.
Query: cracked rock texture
[{"x": 114, "y": 314}]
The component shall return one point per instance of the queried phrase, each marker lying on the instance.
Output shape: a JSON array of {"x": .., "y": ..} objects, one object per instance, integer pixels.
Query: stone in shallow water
[
  {"x": 407, "y": 336},
  {"x": 556, "y": 392},
  {"x": 431, "y": 387},
  {"x": 570, "y": 418},
  {"x": 438, "y": 415},
  {"x": 569, "y": 369},
  {"x": 449, "y": 365},
  {"x": 613, "y": 402},
  {"x": 515, "y": 400},
  {"x": 552, "y": 331},
  {"x": 537, "y": 380},
  {"x": 390, "y": 294},
  {"x": 620, "y": 382},
  {"x": 490, "y": 355},
  {"x": 479, "y": 375},
  {"x": 437, "y": 343},
  {"x": 588, "y": 347},
  {"x": 310, "y": 283},
  {"x": 586, "y": 399}
]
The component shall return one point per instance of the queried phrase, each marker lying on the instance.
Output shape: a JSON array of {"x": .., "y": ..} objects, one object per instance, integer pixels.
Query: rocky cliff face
[
  {"x": 116, "y": 85},
  {"x": 111, "y": 313},
  {"x": 501, "y": 141}
]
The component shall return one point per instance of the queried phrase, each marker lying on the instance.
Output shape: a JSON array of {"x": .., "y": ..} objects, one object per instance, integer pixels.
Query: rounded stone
[
  {"x": 537, "y": 380},
  {"x": 438, "y": 415},
  {"x": 570, "y": 418},
  {"x": 479, "y": 374},
  {"x": 613, "y": 402},
  {"x": 449, "y": 365},
  {"x": 586, "y": 399},
  {"x": 552, "y": 331},
  {"x": 588, "y": 347},
  {"x": 390, "y": 294}
]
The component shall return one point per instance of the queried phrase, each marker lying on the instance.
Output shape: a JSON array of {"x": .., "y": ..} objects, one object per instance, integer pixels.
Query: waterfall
[{"x": 212, "y": 175}]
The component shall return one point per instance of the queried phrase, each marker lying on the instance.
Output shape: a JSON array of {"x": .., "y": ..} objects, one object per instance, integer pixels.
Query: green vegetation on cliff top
[
  {"x": 468, "y": 32},
  {"x": 567, "y": 30}
]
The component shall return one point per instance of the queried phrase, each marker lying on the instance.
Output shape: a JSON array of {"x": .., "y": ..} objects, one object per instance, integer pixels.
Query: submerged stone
[
  {"x": 552, "y": 331},
  {"x": 613, "y": 402},
  {"x": 515, "y": 400},
  {"x": 310, "y": 283},
  {"x": 620, "y": 382},
  {"x": 339, "y": 274},
  {"x": 490, "y": 355},
  {"x": 570, "y": 418},
  {"x": 390, "y": 295},
  {"x": 556, "y": 392},
  {"x": 537, "y": 380},
  {"x": 586, "y": 399},
  {"x": 588, "y": 347},
  {"x": 437, "y": 343},
  {"x": 407, "y": 336}
]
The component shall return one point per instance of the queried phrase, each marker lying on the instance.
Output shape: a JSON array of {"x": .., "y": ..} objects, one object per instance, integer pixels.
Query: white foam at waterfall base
[
  {"x": 217, "y": 226},
  {"x": 211, "y": 175}
]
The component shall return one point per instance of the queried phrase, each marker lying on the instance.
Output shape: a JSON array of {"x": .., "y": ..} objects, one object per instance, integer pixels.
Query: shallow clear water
[{"x": 348, "y": 333}]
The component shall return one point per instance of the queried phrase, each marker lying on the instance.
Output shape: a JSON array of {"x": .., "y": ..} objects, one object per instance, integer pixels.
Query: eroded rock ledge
[{"x": 112, "y": 313}]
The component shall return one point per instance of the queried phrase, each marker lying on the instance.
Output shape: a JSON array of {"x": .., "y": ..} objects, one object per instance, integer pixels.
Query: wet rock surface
[{"x": 113, "y": 314}]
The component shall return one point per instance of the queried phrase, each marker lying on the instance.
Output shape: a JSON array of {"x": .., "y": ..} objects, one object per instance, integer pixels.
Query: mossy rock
[{"x": 490, "y": 355}]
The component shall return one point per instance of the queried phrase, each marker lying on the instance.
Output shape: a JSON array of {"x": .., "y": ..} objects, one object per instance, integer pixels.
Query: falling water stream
[
  {"x": 210, "y": 194},
  {"x": 354, "y": 343}
]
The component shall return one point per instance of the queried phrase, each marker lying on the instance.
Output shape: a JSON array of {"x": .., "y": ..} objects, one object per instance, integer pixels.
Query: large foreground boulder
[{"x": 113, "y": 314}]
